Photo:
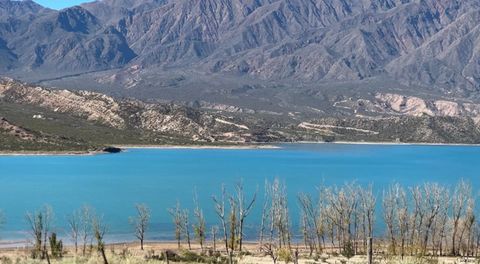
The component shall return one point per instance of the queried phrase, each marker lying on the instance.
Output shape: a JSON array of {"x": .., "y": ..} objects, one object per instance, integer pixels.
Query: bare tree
[
  {"x": 177, "y": 219},
  {"x": 328, "y": 217},
  {"x": 468, "y": 223},
  {"x": 233, "y": 224},
  {"x": 85, "y": 217},
  {"x": 279, "y": 215},
  {"x": 311, "y": 221},
  {"x": 74, "y": 222},
  {"x": 141, "y": 222},
  {"x": 368, "y": 202},
  {"x": 439, "y": 227},
  {"x": 186, "y": 226},
  {"x": 40, "y": 223},
  {"x": 270, "y": 250},
  {"x": 265, "y": 215},
  {"x": 402, "y": 218},
  {"x": 220, "y": 211},
  {"x": 389, "y": 214},
  {"x": 306, "y": 233},
  {"x": 348, "y": 200},
  {"x": 367, "y": 212},
  {"x": 99, "y": 229},
  {"x": 460, "y": 197},
  {"x": 341, "y": 205},
  {"x": 433, "y": 200},
  {"x": 417, "y": 219},
  {"x": 35, "y": 222},
  {"x": 244, "y": 208},
  {"x": 47, "y": 224},
  {"x": 200, "y": 226},
  {"x": 214, "y": 237}
]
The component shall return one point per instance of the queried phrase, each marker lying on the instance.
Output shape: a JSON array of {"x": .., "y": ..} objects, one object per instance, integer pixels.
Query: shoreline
[
  {"x": 386, "y": 143},
  {"x": 249, "y": 146},
  {"x": 240, "y": 146},
  {"x": 12, "y": 245},
  {"x": 51, "y": 153}
]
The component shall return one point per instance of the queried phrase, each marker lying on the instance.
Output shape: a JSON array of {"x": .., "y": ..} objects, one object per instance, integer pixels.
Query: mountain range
[{"x": 263, "y": 55}]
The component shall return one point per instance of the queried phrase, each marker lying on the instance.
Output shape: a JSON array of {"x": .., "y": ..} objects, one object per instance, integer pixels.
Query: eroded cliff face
[
  {"x": 391, "y": 104},
  {"x": 416, "y": 106},
  {"x": 92, "y": 106},
  {"x": 407, "y": 105}
]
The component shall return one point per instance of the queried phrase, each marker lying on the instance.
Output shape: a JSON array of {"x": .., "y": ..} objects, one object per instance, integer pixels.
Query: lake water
[{"x": 114, "y": 183}]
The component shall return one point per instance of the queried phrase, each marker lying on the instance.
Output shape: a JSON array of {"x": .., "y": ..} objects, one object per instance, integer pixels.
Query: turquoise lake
[{"x": 114, "y": 183}]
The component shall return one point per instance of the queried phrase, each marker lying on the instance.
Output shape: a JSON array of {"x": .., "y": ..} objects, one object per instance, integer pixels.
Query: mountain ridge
[{"x": 224, "y": 51}]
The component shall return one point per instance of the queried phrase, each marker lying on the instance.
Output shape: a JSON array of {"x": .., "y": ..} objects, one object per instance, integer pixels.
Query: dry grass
[{"x": 131, "y": 254}]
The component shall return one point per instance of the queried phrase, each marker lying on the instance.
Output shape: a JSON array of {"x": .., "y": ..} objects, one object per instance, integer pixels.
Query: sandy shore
[
  {"x": 393, "y": 143},
  {"x": 246, "y": 146},
  {"x": 256, "y": 256}
]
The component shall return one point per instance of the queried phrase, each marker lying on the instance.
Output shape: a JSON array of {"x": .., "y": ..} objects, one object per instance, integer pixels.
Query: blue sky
[{"x": 59, "y": 4}]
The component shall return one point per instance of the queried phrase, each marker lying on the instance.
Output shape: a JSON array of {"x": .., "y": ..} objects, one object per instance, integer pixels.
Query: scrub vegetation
[{"x": 426, "y": 223}]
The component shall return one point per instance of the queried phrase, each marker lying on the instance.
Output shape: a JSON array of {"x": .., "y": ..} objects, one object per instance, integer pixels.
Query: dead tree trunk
[{"x": 370, "y": 250}]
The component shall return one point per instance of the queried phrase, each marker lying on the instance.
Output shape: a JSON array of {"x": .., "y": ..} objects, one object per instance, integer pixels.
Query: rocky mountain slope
[
  {"x": 261, "y": 55},
  {"x": 157, "y": 123},
  {"x": 37, "y": 118}
]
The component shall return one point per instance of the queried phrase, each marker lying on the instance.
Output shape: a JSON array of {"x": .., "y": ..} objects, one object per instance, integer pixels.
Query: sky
[{"x": 59, "y": 4}]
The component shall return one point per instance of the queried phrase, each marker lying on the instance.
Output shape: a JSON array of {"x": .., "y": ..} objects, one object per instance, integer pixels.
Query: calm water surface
[{"x": 114, "y": 183}]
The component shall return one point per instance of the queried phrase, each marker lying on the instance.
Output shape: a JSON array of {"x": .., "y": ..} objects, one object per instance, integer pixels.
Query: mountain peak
[
  {"x": 427, "y": 46},
  {"x": 19, "y": 7},
  {"x": 76, "y": 19}
]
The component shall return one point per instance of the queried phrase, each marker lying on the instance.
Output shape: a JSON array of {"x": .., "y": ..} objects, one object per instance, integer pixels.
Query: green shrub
[
  {"x": 415, "y": 260},
  {"x": 285, "y": 255},
  {"x": 189, "y": 256},
  {"x": 56, "y": 246},
  {"x": 348, "y": 250}
]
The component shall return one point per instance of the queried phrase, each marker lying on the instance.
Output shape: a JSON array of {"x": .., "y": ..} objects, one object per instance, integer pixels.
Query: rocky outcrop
[
  {"x": 92, "y": 106},
  {"x": 220, "y": 107},
  {"x": 408, "y": 105},
  {"x": 448, "y": 108},
  {"x": 390, "y": 104}
]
